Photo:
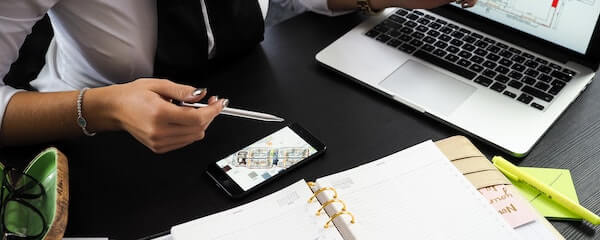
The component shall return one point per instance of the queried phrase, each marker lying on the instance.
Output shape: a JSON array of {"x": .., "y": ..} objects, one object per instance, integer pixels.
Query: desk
[{"x": 122, "y": 190}]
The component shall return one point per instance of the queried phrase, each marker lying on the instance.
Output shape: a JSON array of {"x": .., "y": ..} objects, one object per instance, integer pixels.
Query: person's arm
[
  {"x": 141, "y": 107},
  {"x": 344, "y": 5}
]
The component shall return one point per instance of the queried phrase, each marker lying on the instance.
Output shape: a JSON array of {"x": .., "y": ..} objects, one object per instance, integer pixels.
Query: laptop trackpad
[{"x": 427, "y": 88}]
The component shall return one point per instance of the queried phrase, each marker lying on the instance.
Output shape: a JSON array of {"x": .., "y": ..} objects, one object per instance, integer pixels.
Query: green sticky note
[{"x": 559, "y": 179}]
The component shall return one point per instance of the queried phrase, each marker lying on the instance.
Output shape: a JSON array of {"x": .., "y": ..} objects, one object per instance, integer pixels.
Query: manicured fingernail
[
  {"x": 198, "y": 91},
  {"x": 225, "y": 102},
  {"x": 216, "y": 98}
]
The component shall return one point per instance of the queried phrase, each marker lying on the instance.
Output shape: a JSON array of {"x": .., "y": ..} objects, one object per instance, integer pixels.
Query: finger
[
  {"x": 171, "y": 90},
  {"x": 213, "y": 110},
  {"x": 187, "y": 116}
]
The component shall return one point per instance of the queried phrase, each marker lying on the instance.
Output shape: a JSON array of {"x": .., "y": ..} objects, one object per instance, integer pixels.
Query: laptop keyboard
[{"x": 516, "y": 74}]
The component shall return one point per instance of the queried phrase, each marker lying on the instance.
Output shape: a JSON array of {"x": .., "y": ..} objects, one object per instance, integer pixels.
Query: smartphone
[{"x": 263, "y": 161}]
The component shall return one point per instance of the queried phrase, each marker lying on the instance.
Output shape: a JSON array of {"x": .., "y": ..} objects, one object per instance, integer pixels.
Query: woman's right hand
[{"x": 144, "y": 109}]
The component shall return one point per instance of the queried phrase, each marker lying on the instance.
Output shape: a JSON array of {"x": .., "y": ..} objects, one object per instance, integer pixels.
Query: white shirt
[{"x": 96, "y": 42}]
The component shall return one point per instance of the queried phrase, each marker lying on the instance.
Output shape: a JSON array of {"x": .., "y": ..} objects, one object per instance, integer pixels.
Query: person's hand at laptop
[{"x": 339, "y": 5}]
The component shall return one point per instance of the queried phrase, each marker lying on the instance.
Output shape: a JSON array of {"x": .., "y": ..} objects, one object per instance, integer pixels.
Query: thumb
[{"x": 180, "y": 92}]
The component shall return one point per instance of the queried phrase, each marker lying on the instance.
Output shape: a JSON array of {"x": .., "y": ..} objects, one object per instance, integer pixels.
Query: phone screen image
[{"x": 266, "y": 158}]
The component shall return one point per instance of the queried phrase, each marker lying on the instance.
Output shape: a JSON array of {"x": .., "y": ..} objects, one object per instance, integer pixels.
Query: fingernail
[
  {"x": 198, "y": 91},
  {"x": 216, "y": 98},
  {"x": 225, "y": 102}
]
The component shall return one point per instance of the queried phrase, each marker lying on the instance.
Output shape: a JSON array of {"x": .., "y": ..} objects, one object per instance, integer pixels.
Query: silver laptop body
[{"x": 472, "y": 104}]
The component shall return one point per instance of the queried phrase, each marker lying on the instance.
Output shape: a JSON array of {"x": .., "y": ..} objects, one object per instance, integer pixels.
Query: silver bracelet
[{"x": 80, "y": 120}]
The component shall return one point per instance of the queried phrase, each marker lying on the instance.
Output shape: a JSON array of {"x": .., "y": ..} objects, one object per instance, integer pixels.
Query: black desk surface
[{"x": 120, "y": 189}]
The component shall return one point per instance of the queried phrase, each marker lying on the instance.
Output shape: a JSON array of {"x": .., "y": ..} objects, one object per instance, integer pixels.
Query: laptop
[{"x": 502, "y": 71}]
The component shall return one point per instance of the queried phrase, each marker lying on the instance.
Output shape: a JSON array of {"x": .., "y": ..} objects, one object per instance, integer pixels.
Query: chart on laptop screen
[{"x": 569, "y": 23}]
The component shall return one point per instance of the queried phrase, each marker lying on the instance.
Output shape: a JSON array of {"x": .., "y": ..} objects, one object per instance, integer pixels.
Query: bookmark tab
[{"x": 510, "y": 205}]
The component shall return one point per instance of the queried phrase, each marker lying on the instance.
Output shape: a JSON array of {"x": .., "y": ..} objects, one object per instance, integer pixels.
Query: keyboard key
[
  {"x": 406, "y": 30},
  {"x": 395, "y": 33},
  {"x": 402, "y": 12},
  {"x": 435, "y": 25},
  {"x": 489, "y": 73},
  {"x": 542, "y": 61},
  {"x": 411, "y": 24},
  {"x": 433, "y": 33},
  {"x": 477, "y": 59},
  {"x": 394, "y": 43},
  {"x": 423, "y": 21},
  {"x": 452, "y": 49},
  {"x": 429, "y": 39},
  {"x": 493, "y": 49},
  {"x": 412, "y": 16},
  {"x": 501, "y": 45},
  {"x": 489, "y": 64},
  {"x": 524, "y": 98},
  {"x": 498, "y": 87},
  {"x": 529, "y": 80},
  {"x": 558, "y": 83},
  {"x": 439, "y": 53},
  {"x": 381, "y": 28},
  {"x": 454, "y": 27},
  {"x": 397, "y": 19},
  {"x": 544, "y": 69},
  {"x": 514, "y": 50},
  {"x": 518, "y": 59},
  {"x": 422, "y": 28},
  {"x": 531, "y": 64},
  {"x": 509, "y": 94},
  {"x": 429, "y": 17},
  {"x": 456, "y": 42},
  {"x": 505, "y": 62},
  {"x": 465, "y": 54},
  {"x": 383, "y": 38},
  {"x": 445, "y": 38},
  {"x": 476, "y": 68},
  {"x": 515, "y": 75},
  {"x": 428, "y": 48},
  {"x": 515, "y": 84},
  {"x": 416, "y": 43},
  {"x": 489, "y": 40},
  {"x": 501, "y": 78},
  {"x": 418, "y": 13},
  {"x": 457, "y": 35},
  {"x": 555, "y": 66},
  {"x": 445, "y": 65},
  {"x": 391, "y": 24},
  {"x": 417, "y": 35},
  {"x": 440, "y": 21},
  {"x": 468, "y": 47},
  {"x": 561, "y": 76},
  {"x": 480, "y": 52},
  {"x": 446, "y": 30},
  {"x": 555, "y": 90},
  {"x": 545, "y": 78},
  {"x": 469, "y": 39},
  {"x": 537, "y": 106},
  {"x": 407, "y": 48},
  {"x": 542, "y": 86},
  {"x": 481, "y": 44},
  {"x": 502, "y": 69},
  {"x": 527, "y": 55},
  {"x": 463, "y": 63},
  {"x": 476, "y": 35},
  {"x": 532, "y": 73},
  {"x": 405, "y": 38},
  {"x": 506, "y": 54},
  {"x": 518, "y": 67},
  {"x": 372, "y": 33},
  {"x": 451, "y": 58},
  {"x": 483, "y": 81},
  {"x": 465, "y": 31},
  {"x": 537, "y": 93},
  {"x": 441, "y": 44},
  {"x": 493, "y": 57}
]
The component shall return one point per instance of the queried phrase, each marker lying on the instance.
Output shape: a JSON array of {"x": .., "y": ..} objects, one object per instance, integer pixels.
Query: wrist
[{"x": 99, "y": 110}]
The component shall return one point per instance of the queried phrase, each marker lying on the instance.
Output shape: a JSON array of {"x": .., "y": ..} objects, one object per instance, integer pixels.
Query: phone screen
[{"x": 266, "y": 158}]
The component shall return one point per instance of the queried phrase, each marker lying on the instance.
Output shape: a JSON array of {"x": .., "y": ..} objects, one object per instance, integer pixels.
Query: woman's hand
[
  {"x": 144, "y": 109},
  {"x": 412, "y": 4}
]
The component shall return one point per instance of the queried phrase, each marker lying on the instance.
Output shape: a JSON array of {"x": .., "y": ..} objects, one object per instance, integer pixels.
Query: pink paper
[{"x": 511, "y": 206}]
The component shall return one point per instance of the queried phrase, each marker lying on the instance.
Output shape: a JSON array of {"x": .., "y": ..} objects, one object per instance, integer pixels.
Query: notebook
[{"x": 416, "y": 193}]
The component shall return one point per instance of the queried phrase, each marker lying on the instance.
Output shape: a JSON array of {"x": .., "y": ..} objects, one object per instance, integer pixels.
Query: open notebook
[{"x": 413, "y": 194}]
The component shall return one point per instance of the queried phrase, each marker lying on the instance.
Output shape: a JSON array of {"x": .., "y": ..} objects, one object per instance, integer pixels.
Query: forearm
[
  {"x": 33, "y": 117},
  {"x": 345, "y": 5}
]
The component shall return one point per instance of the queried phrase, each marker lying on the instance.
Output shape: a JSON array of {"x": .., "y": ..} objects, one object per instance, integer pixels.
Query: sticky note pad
[{"x": 559, "y": 179}]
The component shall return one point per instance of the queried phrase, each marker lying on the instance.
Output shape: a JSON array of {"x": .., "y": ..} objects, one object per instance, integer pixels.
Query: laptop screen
[{"x": 568, "y": 23}]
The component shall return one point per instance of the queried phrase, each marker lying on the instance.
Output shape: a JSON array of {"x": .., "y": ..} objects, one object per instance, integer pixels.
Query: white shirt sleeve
[
  {"x": 17, "y": 17},
  {"x": 298, "y": 6}
]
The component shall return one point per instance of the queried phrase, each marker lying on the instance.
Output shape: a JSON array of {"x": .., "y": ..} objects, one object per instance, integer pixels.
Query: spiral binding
[{"x": 331, "y": 201}]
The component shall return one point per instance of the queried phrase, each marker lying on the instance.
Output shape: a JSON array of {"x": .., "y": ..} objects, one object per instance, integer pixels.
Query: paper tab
[{"x": 513, "y": 208}]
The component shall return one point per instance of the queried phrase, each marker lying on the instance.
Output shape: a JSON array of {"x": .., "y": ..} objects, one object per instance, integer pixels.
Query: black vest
[{"x": 182, "y": 48}]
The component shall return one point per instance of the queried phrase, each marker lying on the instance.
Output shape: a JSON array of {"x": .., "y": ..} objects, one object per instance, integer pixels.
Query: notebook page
[
  {"x": 413, "y": 194},
  {"x": 285, "y": 214}
]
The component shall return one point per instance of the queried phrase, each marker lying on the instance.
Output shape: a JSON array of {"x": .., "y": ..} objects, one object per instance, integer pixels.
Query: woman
[{"x": 108, "y": 46}]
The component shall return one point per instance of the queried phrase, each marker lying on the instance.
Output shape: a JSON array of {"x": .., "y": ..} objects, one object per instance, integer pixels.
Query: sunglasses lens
[{"x": 22, "y": 220}]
